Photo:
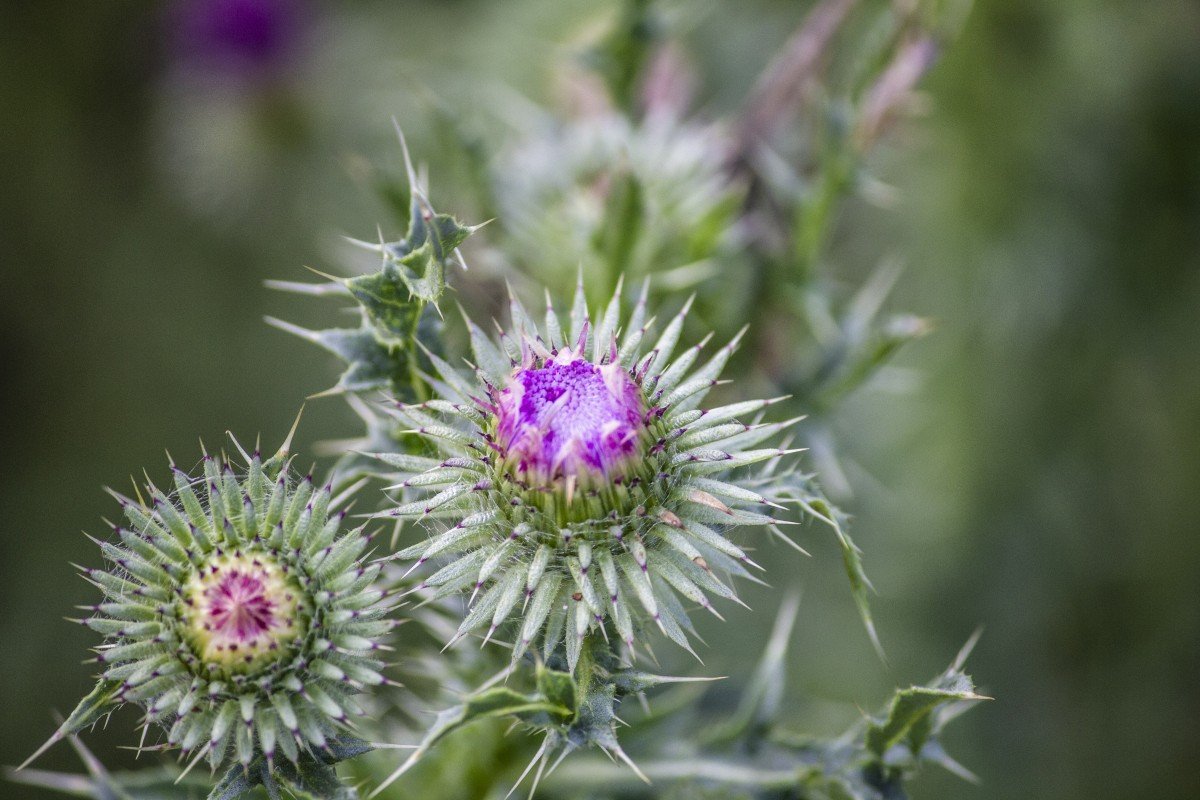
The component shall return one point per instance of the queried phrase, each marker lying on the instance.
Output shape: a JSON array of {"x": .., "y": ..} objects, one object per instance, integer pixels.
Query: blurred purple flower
[{"x": 236, "y": 40}]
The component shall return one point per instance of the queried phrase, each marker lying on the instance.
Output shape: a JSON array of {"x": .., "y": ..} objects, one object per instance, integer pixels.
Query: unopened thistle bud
[
  {"x": 580, "y": 487},
  {"x": 570, "y": 419},
  {"x": 238, "y": 613}
]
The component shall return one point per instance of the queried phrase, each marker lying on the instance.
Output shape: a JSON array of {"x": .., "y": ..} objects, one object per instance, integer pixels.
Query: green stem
[
  {"x": 420, "y": 389},
  {"x": 588, "y": 773}
]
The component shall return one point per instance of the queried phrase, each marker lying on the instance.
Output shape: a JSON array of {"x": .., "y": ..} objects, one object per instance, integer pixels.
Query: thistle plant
[
  {"x": 578, "y": 486},
  {"x": 563, "y": 490},
  {"x": 238, "y": 613}
]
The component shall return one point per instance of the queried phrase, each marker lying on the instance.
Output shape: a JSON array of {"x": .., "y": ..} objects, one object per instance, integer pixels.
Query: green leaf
[
  {"x": 374, "y": 362},
  {"x": 912, "y": 714},
  {"x": 387, "y": 299},
  {"x": 394, "y": 301},
  {"x": 447, "y": 233},
  {"x": 557, "y": 687},
  {"x": 909, "y": 708},
  {"x": 503, "y": 702},
  {"x": 425, "y": 273},
  {"x": 424, "y": 253}
]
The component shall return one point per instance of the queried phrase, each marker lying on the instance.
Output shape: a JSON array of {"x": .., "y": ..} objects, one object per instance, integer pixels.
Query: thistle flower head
[
  {"x": 579, "y": 487},
  {"x": 562, "y": 418},
  {"x": 238, "y": 613}
]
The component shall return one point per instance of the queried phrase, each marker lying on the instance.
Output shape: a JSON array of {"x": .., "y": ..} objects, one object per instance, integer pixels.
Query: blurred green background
[{"x": 1040, "y": 479}]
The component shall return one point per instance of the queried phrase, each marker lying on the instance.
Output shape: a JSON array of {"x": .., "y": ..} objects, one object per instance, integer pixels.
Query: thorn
[
  {"x": 241, "y": 450},
  {"x": 536, "y": 757},
  {"x": 774, "y": 529},
  {"x": 142, "y": 742},
  {"x": 616, "y": 748},
  {"x": 53, "y": 740},
  {"x": 285, "y": 448},
  {"x": 537, "y": 778},
  {"x": 199, "y": 755},
  {"x": 965, "y": 652},
  {"x": 408, "y": 165}
]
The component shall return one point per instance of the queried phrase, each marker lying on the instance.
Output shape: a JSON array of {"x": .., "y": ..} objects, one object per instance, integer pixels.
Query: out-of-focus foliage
[
  {"x": 1040, "y": 479},
  {"x": 749, "y": 754},
  {"x": 1057, "y": 197}
]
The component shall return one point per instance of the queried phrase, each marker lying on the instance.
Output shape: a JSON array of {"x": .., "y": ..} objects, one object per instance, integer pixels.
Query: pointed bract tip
[
  {"x": 54, "y": 739},
  {"x": 286, "y": 448}
]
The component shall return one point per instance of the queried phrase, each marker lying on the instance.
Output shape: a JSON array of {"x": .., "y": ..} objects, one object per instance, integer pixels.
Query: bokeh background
[{"x": 1040, "y": 479}]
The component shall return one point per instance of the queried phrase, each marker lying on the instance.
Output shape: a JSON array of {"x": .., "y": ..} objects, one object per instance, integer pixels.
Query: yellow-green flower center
[{"x": 242, "y": 611}]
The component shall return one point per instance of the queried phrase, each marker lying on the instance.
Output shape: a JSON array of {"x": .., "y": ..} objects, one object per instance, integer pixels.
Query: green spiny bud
[
  {"x": 237, "y": 613},
  {"x": 579, "y": 487}
]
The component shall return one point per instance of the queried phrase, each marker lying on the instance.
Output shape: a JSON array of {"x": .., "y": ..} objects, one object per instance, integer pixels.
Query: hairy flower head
[
  {"x": 238, "y": 613},
  {"x": 579, "y": 485}
]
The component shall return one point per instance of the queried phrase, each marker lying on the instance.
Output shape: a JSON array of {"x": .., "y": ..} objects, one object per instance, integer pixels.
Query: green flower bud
[
  {"x": 238, "y": 614},
  {"x": 579, "y": 487}
]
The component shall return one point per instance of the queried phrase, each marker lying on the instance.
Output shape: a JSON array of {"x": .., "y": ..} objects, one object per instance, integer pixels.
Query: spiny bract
[
  {"x": 238, "y": 614},
  {"x": 578, "y": 484}
]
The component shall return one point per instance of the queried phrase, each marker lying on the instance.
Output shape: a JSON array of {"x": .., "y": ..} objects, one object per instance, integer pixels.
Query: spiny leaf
[
  {"x": 557, "y": 687},
  {"x": 394, "y": 302},
  {"x": 910, "y": 715},
  {"x": 387, "y": 298},
  {"x": 800, "y": 490}
]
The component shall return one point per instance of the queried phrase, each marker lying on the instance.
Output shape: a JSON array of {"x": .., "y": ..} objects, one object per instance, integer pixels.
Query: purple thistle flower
[
  {"x": 579, "y": 486},
  {"x": 245, "y": 39},
  {"x": 563, "y": 417}
]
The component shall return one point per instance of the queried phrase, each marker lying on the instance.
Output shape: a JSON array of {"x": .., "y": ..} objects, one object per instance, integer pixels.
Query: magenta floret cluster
[{"x": 570, "y": 418}]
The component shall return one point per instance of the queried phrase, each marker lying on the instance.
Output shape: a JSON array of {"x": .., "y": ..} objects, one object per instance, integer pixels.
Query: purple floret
[{"x": 570, "y": 418}]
